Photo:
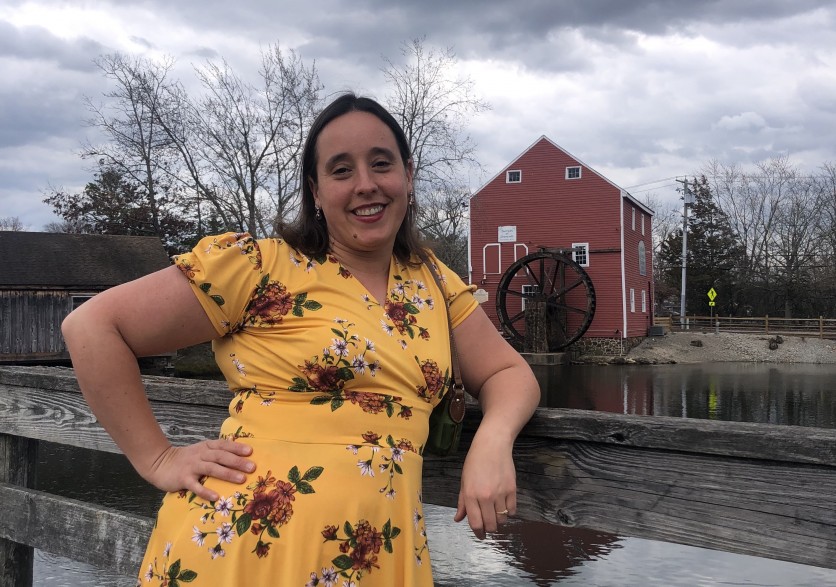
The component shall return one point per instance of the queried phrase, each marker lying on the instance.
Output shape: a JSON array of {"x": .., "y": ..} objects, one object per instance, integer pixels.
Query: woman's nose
[{"x": 366, "y": 182}]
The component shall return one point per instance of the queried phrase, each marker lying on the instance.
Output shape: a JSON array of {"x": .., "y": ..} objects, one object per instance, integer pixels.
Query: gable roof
[
  {"x": 77, "y": 260},
  {"x": 542, "y": 138}
]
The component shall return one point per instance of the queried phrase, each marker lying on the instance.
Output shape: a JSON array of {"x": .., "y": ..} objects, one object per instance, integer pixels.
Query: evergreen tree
[
  {"x": 114, "y": 204},
  {"x": 714, "y": 255}
]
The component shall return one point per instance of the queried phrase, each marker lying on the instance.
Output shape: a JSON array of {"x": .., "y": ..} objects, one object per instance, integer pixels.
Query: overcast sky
[{"x": 641, "y": 91}]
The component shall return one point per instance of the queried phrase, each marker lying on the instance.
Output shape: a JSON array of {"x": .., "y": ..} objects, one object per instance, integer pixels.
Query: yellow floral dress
[{"x": 333, "y": 390}]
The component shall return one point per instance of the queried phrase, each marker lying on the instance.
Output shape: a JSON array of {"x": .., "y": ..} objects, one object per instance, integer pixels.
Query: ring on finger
[{"x": 502, "y": 513}]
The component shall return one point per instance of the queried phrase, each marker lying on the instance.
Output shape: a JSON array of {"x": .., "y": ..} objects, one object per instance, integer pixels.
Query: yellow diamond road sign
[{"x": 712, "y": 294}]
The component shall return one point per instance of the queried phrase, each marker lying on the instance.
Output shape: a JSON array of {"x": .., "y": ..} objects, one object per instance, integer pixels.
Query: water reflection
[
  {"x": 528, "y": 553},
  {"x": 798, "y": 395}
]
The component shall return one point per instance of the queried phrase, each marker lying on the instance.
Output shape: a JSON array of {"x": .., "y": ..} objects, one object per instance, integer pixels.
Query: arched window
[{"x": 642, "y": 259}]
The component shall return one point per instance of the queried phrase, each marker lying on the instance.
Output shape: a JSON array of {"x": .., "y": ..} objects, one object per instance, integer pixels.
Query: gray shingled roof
[{"x": 76, "y": 260}]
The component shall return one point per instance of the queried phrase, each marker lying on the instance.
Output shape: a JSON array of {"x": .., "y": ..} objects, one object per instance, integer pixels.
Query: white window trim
[
  {"x": 632, "y": 300},
  {"x": 642, "y": 253},
  {"x": 527, "y": 288},
  {"x": 642, "y": 224},
  {"x": 586, "y": 248},
  {"x": 580, "y": 172},
  {"x": 634, "y": 218},
  {"x": 644, "y": 302},
  {"x": 508, "y": 176},
  {"x": 498, "y": 259}
]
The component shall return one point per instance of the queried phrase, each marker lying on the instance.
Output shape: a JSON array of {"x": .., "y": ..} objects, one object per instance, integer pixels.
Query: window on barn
[
  {"x": 528, "y": 290},
  {"x": 573, "y": 172},
  {"x": 634, "y": 218},
  {"x": 644, "y": 301},
  {"x": 514, "y": 176},
  {"x": 642, "y": 224},
  {"x": 580, "y": 254},
  {"x": 642, "y": 259},
  {"x": 632, "y": 300}
]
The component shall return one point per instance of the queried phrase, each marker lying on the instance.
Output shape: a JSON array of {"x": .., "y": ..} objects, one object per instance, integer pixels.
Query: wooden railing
[
  {"x": 767, "y": 325},
  {"x": 755, "y": 489}
]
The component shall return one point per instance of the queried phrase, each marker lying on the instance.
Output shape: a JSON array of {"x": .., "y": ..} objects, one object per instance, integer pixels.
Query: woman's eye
[
  {"x": 340, "y": 170},
  {"x": 383, "y": 164}
]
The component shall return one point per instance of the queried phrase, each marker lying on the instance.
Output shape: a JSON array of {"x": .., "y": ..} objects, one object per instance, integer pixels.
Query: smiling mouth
[{"x": 369, "y": 210}]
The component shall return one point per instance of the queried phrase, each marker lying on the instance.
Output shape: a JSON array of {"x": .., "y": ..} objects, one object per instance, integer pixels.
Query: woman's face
[{"x": 362, "y": 183}]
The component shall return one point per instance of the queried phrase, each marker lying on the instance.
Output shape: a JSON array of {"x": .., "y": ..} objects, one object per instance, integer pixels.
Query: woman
[{"x": 334, "y": 341}]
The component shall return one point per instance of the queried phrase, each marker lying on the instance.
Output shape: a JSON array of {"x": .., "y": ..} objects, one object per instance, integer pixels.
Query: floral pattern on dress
[
  {"x": 268, "y": 508},
  {"x": 360, "y": 546},
  {"x": 388, "y": 465},
  {"x": 421, "y": 528},
  {"x": 329, "y": 372},
  {"x": 248, "y": 246},
  {"x": 169, "y": 575},
  {"x": 401, "y": 308},
  {"x": 434, "y": 381},
  {"x": 267, "y": 397},
  {"x": 271, "y": 302}
]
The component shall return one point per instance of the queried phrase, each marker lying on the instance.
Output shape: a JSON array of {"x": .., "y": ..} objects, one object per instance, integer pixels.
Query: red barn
[{"x": 548, "y": 199}]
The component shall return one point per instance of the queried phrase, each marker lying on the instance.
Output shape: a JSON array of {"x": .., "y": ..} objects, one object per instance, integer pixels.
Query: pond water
[{"x": 527, "y": 553}]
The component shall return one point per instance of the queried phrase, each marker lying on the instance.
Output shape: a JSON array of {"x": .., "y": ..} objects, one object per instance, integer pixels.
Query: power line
[
  {"x": 650, "y": 182},
  {"x": 658, "y": 187}
]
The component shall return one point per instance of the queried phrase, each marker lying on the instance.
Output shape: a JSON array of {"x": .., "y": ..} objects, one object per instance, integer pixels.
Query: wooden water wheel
[{"x": 550, "y": 283}]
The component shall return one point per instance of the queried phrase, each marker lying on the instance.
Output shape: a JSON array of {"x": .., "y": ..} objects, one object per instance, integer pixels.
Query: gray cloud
[{"x": 643, "y": 90}]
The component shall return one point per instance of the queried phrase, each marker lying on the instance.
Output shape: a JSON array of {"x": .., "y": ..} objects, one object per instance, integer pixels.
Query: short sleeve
[
  {"x": 223, "y": 271},
  {"x": 459, "y": 295}
]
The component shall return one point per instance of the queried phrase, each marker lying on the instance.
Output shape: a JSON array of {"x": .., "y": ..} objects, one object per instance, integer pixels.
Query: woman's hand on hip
[{"x": 184, "y": 467}]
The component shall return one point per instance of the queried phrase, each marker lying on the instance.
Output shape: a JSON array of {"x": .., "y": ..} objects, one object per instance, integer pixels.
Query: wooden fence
[
  {"x": 755, "y": 489},
  {"x": 814, "y": 327}
]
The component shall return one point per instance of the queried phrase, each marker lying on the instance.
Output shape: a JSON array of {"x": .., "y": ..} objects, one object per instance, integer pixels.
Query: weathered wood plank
[
  {"x": 796, "y": 444},
  {"x": 761, "y": 508},
  {"x": 170, "y": 389},
  {"x": 739, "y": 439},
  {"x": 105, "y": 538},
  {"x": 64, "y": 417},
  {"x": 18, "y": 460}
]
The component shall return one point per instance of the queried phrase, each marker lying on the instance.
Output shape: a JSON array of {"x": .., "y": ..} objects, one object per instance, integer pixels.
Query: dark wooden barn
[{"x": 43, "y": 276}]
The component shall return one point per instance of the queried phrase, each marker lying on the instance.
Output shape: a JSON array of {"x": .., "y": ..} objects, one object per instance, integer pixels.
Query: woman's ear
[{"x": 314, "y": 191}]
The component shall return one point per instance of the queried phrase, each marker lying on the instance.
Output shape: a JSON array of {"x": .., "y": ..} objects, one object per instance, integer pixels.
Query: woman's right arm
[{"x": 155, "y": 314}]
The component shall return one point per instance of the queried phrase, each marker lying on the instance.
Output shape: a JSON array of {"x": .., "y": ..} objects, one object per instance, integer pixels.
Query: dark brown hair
[{"x": 309, "y": 235}]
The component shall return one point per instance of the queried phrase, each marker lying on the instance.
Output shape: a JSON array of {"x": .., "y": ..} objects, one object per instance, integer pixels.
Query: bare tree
[
  {"x": 12, "y": 224},
  {"x": 434, "y": 107},
  {"x": 65, "y": 226},
  {"x": 137, "y": 145},
  {"x": 240, "y": 144},
  {"x": 443, "y": 220},
  {"x": 232, "y": 152},
  {"x": 667, "y": 219}
]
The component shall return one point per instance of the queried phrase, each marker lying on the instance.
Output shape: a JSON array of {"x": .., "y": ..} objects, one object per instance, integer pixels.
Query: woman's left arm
[{"x": 508, "y": 393}]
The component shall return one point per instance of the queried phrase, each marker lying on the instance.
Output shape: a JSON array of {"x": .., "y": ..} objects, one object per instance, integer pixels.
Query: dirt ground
[{"x": 685, "y": 347}]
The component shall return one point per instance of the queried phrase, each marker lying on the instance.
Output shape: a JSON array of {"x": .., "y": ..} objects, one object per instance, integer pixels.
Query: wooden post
[
  {"x": 536, "y": 327},
  {"x": 766, "y": 323},
  {"x": 821, "y": 326},
  {"x": 18, "y": 462}
]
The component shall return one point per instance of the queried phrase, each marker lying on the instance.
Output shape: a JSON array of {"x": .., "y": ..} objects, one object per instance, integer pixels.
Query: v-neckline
[{"x": 361, "y": 286}]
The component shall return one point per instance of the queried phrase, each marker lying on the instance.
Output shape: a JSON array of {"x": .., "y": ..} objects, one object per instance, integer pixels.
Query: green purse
[{"x": 446, "y": 418}]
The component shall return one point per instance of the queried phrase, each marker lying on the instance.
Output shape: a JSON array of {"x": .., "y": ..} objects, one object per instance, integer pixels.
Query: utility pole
[{"x": 688, "y": 199}]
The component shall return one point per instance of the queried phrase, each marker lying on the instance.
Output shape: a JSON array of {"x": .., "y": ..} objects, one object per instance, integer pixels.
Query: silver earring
[
  {"x": 318, "y": 213},
  {"x": 411, "y": 197}
]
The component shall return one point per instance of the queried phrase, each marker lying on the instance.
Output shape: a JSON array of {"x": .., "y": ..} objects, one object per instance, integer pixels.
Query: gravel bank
[{"x": 681, "y": 347}]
